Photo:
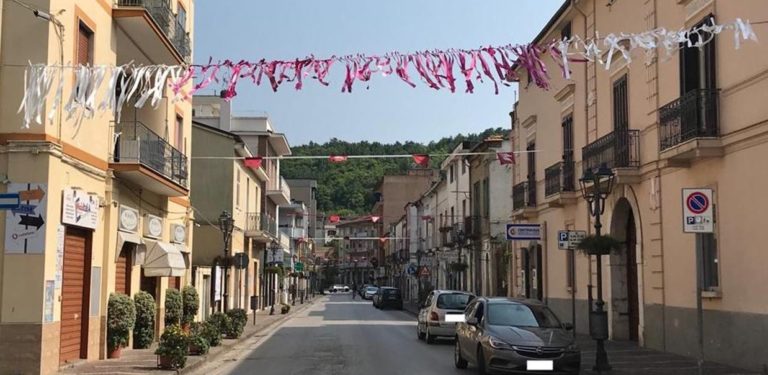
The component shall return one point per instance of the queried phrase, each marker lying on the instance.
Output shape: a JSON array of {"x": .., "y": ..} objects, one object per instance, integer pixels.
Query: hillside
[{"x": 346, "y": 188}]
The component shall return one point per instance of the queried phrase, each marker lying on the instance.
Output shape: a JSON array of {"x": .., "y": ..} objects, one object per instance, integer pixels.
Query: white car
[
  {"x": 440, "y": 313},
  {"x": 369, "y": 292}
]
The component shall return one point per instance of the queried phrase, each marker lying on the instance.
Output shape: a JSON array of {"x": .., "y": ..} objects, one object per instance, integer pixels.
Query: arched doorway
[{"x": 625, "y": 313}]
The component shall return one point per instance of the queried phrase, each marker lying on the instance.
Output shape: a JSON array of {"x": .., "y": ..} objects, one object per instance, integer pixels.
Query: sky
[{"x": 387, "y": 110}]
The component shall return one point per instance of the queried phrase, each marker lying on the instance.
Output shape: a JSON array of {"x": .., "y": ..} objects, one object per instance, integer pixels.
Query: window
[
  {"x": 179, "y": 133},
  {"x": 697, "y": 65},
  {"x": 486, "y": 199},
  {"x": 568, "y": 161},
  {"x": 620, "y": 105},
  {"x": 247, "y": 194},
  {"x": 181, "y": 17},
  {"x": 463, "y": 167},
  {"x": 707, "y": 243},
  {"x": 565, "y": 32},
  {"x": 453, "y": 301},
  {"x": 518, "y": 315},
  {"x": 476, "y": 199},
  {"x": 237, "y": 190},
  {"x": 85, "y": 45},
  {"x": 463, "y": 208},
  {"x": 450, "y": 172}
]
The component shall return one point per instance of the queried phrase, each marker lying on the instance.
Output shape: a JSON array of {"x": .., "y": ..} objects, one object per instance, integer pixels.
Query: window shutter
[{"x": 84, "y": 45}]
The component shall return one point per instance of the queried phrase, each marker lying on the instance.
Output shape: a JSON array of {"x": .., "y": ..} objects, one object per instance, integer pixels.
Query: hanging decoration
[
  {"x": 421, "y": 159},
  {"x": 337, "y": 158},
  {"x": 506, "y": 158},
  {"x": 253, "y": 162},
  {"x": 110, "y": 88}
]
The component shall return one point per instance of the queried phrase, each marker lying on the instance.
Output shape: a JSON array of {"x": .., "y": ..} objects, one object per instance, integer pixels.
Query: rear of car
[
  {"x": 370, "y": 292},
  {"x": 389, "y": 297},
  {"x": 444, "y": 312}
]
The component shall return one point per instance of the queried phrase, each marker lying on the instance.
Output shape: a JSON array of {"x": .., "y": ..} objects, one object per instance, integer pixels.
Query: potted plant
[
  {"x": 121, "y": 316},
  {"x": 173, "y": 307},
  {"x": 144, "y": 328},
  {"x": 198, "y": 340},
  {"x": 599, "y": 245},
  {"x": 221, "y": 322},
  {"x": 209, "y": 331},
  {"x": 173, "y": 347},
  {"x": 275, "y": 270},
  {"x": 238, "y": 320},
  {"x": 285, "y": 308},
  {"x": 191, "y": 302}
]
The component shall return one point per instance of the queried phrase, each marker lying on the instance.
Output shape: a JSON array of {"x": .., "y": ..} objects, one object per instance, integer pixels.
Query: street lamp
[
  {"x": 274, "y": 247},
  {"x": 226, "y": 224},
  {"x": 596, "y": 186}
]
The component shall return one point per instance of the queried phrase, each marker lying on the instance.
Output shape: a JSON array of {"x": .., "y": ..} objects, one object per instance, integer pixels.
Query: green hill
[{"x": 346, "y": 188}]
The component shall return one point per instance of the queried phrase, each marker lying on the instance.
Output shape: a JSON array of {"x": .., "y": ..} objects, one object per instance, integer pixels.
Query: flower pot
[
  {"x": 165, "y": 362},
  {"x": 115, "y": 353},
  {"x": 185, "y": 327},
  {"x": 195, "y": 349}
]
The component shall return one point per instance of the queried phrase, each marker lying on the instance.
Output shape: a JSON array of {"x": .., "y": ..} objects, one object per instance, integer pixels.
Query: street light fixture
[
  {"x": 596, "y": 186},
  {"x": 226, "y": 225},
  {"x": 274, "y": 247}
]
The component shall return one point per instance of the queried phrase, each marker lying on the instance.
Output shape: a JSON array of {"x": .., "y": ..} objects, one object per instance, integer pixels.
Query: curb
[{"x": 210, "y": 357}]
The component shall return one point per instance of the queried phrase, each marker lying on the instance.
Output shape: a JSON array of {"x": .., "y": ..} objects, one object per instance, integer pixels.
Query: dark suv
[{"x": 388, "y": 296}]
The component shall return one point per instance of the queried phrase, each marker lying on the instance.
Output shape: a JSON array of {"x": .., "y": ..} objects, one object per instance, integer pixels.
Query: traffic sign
[
  {"x": 9, "y": 201},
  {"x": 698, "y": 216},
  {"x": 569, "y": 239},
  {"x": 299, "y": 267},
  {"x": 523, "y": 232},
  {"x": 424, "y": 272}
]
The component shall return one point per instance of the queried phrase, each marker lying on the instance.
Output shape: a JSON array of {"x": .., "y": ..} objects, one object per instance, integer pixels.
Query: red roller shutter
[
  {"x": 123, "y": 271},
  {"x": 74, "y": 296}
]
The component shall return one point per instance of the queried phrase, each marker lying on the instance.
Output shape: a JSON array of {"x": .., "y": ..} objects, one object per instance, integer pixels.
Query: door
[
  {"x": 123, "y": 267},
  {"x": 149, "y": 285},
  {"x": 534, "y": 283},
  {"x": 632, "y": 292},
  {"x": 75, "y": 288},
  {"x": 206, "y": 296}
]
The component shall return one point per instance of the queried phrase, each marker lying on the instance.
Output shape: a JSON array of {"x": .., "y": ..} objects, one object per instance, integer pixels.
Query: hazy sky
[{"x": 389, "y": 110}]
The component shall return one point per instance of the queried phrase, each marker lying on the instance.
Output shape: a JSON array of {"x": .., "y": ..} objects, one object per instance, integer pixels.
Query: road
[{"x": 339, "y": 335}]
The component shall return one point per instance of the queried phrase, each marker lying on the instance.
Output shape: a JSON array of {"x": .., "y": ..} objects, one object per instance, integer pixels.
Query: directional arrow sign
[
  {"x": 32, "y": 221},
  {"x": 27, "y": 209},
  {"x": 9, "y": 201},
  {"x": 32, "y": 195}
]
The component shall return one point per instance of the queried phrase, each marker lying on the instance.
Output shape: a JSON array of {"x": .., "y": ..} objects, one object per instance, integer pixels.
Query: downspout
[{"x": 661, "y": 213}]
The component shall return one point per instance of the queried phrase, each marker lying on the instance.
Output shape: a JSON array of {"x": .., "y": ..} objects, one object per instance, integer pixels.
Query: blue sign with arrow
[
  {"x": 24, "y": 209},
  {"x": 9, "y": 201}
]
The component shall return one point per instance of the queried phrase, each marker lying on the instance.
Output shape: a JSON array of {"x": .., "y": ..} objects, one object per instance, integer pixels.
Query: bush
[
  {"x": 599, "y": 245},
  {"x": 198, "y": 344},
  {"x": 285, "y": 308},
  {"x": 121, "y": 317},
  {"x": 191, "y": 304},
  {"x": 238, "y": 319},
  {"x": 174, "y": 344},
  {"x": 173, "y": 307},
  {"x": 208, "y": 331},
  {"x": 144, "y": 329},
  {"x": 221, "y": 321}
]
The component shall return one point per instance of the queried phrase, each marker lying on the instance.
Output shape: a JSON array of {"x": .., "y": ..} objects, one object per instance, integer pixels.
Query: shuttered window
[{"x": 84, "y": 45}]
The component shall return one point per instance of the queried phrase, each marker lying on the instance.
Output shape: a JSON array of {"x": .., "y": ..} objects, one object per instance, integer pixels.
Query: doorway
[
  {"x": 75, "y": 292},
  {"x": 624, "y": 275},
  {"x": 533, "y": 274}
]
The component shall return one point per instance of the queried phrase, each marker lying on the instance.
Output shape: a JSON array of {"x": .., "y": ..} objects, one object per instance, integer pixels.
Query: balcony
[
  {"x": 260, "y": 227},
  {"x": 148, "y": 160},
  {"x": 524, "y": 200},
  {"x": 279, "y": 191},
  {"x": 151, "y": 27},
  {"x": 620, "y": 151},
  {"x": 559, "y": 184},
  {"x": 689, "y": 127}
]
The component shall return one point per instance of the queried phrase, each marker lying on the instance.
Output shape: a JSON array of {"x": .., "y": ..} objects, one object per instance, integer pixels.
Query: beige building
[
  {"x": 692, "y": 120},
  {"x": 105, "y": 204}
]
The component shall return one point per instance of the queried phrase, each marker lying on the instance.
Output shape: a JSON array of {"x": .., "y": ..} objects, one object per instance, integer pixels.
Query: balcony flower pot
[
  {"x": 115, "y": 353},
  {"x": 599, "y": 245}
]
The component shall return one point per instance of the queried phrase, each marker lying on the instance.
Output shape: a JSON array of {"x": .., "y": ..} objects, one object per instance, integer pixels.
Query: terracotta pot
[
  {"x": 194, "y": 350},
  {"x": 115, "y": 353},
  {"x": 165, "y": 362},
  {"x": 185, "y": 327}
]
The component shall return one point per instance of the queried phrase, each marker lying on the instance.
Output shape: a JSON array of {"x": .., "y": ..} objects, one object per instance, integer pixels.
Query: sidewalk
[{"x": 142, "y": 361}]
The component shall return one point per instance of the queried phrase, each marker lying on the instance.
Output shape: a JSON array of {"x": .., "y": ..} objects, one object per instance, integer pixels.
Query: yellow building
[
  {"x": 690, "y": 120},
  {"x": 104, "y": 204}
]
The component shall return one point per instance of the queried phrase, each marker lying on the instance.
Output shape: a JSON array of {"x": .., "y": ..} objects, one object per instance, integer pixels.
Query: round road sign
[{"x": 697, "y": 203}]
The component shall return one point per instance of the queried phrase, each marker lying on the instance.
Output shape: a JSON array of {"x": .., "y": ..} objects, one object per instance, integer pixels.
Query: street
[{"x": 338, "y": 335}]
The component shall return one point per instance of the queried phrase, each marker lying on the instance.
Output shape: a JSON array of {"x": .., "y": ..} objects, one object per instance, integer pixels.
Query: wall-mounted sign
[
  {"x": 523, "y": 232},
  {"x": 698, "y": 216},
  {"x": 60, "y": 232},
  {"x": 569, "y": 239},
  {"x": 178, "y": 233},
  {"x": 275, "y": 256},
  {"x": 153, "y": 226},
  {"x": 79, "y": 208},
  {"x": 129, "y": 219},
  {"x": 25, "y": 225}
]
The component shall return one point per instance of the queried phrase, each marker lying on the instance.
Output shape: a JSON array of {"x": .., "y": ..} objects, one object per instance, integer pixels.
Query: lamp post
[
  {"x": 226, "y": 224},
  {"x": 274, "y": 246},
  {"x": 459, "y": 238},
  {"x": 595, "y": 188}
]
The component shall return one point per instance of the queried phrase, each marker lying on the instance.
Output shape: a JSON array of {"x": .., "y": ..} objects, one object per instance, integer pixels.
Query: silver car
[{"x": 441, "y": 311}]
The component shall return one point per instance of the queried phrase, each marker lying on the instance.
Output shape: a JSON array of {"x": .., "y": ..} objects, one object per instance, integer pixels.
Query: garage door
[
  {"x": 123, "y": 271},
  {"x": 74, "y": 294}
]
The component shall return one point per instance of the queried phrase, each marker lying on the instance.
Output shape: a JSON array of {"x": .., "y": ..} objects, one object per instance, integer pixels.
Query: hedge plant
[
  {"x": 174, "y": 345},
  {"x": 238, "y": 320},
  {"x": 144, "y": 328},
  {"x": 191, "y": 303},
  {"x": 221, "y": 321},
  {"x": 174, "y": 307},
  {"x": 208, "y": 331},
  {"x": 121, "y": 317}
]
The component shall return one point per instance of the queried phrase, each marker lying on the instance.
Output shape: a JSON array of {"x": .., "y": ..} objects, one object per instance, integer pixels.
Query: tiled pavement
[
  {"x": 628, "y": 358},
  {"x": 145, "y": 361}
]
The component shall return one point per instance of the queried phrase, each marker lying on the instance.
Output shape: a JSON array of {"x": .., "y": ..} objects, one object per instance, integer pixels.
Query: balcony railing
[
  {"x": 162, "y": 14},
  {"x": 692, "y": 115},
  {"x": 523, "y": 195},
  {"x": 137, "y": 144},
  {"x": 256, "y": 221},
  {"x": 617, "y": 149},
  {"x": 559, "y": 178}
]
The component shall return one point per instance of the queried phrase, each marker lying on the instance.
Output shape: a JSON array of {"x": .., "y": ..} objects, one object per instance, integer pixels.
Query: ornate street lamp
[
  {"x": 596, "y": 186},
  {"x": 226, "y": 225},
  {"x": 274, "y": 247}
]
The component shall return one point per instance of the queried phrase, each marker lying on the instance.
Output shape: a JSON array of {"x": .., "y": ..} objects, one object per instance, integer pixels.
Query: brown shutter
[
  {"x": 123, "y": 272},
  {"x": 84, "y": 45},
  {"x": 74, "y": 291}
]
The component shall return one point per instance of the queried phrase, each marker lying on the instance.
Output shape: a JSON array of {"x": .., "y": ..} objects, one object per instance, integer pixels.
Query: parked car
[
  {"x": 388, "y": 296},
  {"x": 370, "y": 292},
  {"x": 432, "y": 321},
  {"x": 361, "y": 290},
  {"x": 510, "y": 335}
]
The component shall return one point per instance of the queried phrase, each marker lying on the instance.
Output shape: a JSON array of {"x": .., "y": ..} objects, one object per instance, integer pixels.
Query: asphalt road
[{"x": 339, "y": 335}]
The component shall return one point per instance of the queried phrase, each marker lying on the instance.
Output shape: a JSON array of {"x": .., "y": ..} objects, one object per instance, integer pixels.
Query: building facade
[
  {"x": 661, "y": 124},
  {"x": 106, "y": 206}
]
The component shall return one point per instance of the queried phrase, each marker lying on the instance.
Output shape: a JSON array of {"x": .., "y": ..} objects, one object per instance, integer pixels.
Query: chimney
[{"x": 225, "y": 113}]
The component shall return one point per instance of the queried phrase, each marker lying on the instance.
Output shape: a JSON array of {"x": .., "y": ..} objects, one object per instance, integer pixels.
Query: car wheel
[
  {"x": 430, "y": 338},
  {"x": 418, "y": 332},
  {"x": 481, "y": 361},
  {"x": 458, "y": 360}
]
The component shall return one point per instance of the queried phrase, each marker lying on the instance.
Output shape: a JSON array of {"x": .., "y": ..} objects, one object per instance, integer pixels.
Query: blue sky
[{"x": 389, "y": 110}]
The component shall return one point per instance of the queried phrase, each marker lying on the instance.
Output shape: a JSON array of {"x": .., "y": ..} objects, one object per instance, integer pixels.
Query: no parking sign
[{"x": 697, "y": 211}]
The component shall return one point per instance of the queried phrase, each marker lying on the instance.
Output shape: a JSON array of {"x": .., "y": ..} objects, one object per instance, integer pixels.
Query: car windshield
[
  {"x": 453, "y": 301},
  {"x": 391, "y": 291},
  {"x": 372, "y": 289},
  {"x": 513, "y": 314}
]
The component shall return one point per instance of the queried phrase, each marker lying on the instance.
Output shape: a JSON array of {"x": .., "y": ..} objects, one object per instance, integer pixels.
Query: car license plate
[{"x": 540, "y": 366}]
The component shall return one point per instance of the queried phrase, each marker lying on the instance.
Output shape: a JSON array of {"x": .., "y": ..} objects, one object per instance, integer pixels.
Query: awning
[
  {"x": 122, "y": 238},
  {"x": 184, "y": 250},
  {"x": 162, "y": 259}
]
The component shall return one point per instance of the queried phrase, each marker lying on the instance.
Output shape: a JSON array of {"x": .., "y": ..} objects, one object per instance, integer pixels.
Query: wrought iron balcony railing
[
  {"x": 162, "y": 14},
  {"x": 523, "y": 195},
  {"x": 256, "y": 221},
  {"x": 617, "y": 149},
  {"x": 559, "y": 178},
  {"x": 135, "y": 143},
  {"x": 692, "y": 115}
]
